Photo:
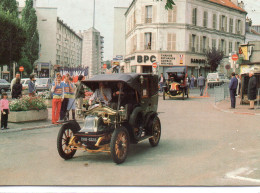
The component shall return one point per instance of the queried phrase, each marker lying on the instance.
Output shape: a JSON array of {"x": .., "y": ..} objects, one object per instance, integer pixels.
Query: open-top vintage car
[
  {"x": 130, "y": 117},
  {"x": 177, "y": 83}
]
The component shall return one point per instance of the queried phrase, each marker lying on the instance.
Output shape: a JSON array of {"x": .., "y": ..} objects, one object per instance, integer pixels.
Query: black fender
[
  {"x": 74, "y": 125},
  {"x": 148, "y": 120}
]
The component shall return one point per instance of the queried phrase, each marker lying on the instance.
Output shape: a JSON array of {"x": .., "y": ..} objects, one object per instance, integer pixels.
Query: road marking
[{"x": 235, "y": 175}]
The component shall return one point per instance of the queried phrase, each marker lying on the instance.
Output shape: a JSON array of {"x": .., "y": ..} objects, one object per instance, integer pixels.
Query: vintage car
[
  {"x": 177, "y": 83},
  {"x": 131, "y": 117}
]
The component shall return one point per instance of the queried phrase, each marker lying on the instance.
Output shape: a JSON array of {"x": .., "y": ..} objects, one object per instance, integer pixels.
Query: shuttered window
[
  {"x": 148, "y": 14},
  {"x": 214, "y": 24},
  {"x": 231, "y": 25},
  {"x": 171, "y": 42},
  {"x": 172, "y": 15},
  {"x": 205, "y": 19},
  {"x": 214, "y": 43},
  {"x": 230, "y": 47},
  {"x": 194, "y": 16}
]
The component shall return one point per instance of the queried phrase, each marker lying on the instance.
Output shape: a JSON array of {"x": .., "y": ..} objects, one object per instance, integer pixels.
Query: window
[
  {"x": 230, "y": 47},
  {"x": 171, "y": 43},
  {"x": 237, "y": 46},
  {"x": 148, "y": 15},
  {"x": 214, "y": 43},
  {"x": 222, "y": 23},
  {"x": 239, "y": 26},
  {"x": 214, "y": 25},
  {"x": 193, "y": 42},
  {"x": 222, "y": 45},
  {"x": 194, "y": 16},
  {"x": 172, "y": 14},
  {"x": 230, "y": 25},
  {"x": 204, "y": 44},
  {"x": 148, "y": 41},
  {"x": 205, "y": 19}
]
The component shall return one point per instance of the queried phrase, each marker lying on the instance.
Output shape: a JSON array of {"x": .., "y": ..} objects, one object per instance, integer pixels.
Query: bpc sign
[{"x": 146, "y": 59}]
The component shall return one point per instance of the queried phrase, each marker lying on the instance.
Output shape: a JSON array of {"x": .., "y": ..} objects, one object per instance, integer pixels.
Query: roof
[
  {"x": 228, "y": 3},
  {"x": 131, "y": 80}
]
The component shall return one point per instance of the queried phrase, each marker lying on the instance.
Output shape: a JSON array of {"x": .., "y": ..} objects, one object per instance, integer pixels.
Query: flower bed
[{"x": 28, "y": 109}]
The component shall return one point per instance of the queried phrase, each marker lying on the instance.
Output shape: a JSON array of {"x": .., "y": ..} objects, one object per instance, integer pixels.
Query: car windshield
[
  {"x": 3, "y": 81},
  {"x": 41, "y": 81}
]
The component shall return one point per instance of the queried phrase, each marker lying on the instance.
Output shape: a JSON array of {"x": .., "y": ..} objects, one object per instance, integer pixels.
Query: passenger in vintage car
[{"x": 101, "y": 94}]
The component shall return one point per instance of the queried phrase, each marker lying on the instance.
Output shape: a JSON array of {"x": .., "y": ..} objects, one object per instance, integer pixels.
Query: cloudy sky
[{"x": 78, "y": 14}]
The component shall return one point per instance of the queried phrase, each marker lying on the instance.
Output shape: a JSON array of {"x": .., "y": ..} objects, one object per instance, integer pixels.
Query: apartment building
[{"x": 181, "y": 36}]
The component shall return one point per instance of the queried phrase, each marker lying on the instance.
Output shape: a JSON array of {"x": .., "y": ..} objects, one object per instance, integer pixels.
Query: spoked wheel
[
  {"x": 119, "y": 145},
  {"x": 156, "y": 128},
  {"x": 65, "y": 134}
]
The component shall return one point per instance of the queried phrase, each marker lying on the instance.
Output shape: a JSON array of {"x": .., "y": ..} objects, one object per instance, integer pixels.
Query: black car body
[
  {"x": 4, "y": 86},
  {"x": 128, "y": 119}
]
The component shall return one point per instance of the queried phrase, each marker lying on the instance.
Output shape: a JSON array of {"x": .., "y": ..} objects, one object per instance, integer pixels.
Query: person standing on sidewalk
[
  {"x": 17, "y": 89},
  {"x": 192, "y": 82},
  {"x": 31, "y": 86},
  {"x": 80, "y": 92},
  {"x": 57, "y": 90},
  {"x": 201, "y": 84},
  {"x": 67, "y": 87},
  {"x": 233, "y": 89},
  {"x": 251, "y": 91},
  {"x": 161, "y": 82},
  {"x": 17, "y": 75},
  {"x": 4, "y": 106},
  {"x": 71, "y": 103}
]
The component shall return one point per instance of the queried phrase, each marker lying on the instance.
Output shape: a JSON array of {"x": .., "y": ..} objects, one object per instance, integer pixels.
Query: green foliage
[
  {"x": 27, "y": 103},
  {"x": 31, "y": 49},
  {"x": 25, "y": 62},
  {"x": 169, "y": 4},
  {"x": 10, "y": 6},
  {"x": 214, "y": 58},
  {"x": 12, "y": 37}
]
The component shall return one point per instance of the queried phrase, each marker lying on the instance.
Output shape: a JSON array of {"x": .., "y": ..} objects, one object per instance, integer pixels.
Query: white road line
[{"x": 235, "y": 175}]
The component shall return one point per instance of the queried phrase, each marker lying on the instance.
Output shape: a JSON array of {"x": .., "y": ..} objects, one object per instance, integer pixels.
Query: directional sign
[
  {"x": 104, "y": 66},
  {"x": 235, "y": 57},
  {"x": 21, "y": 68},
  {"x": 154, "y": 65}
]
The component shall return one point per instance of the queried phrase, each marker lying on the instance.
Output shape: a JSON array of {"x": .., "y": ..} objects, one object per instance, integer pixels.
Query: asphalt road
[{"x": 199, "y": 146}]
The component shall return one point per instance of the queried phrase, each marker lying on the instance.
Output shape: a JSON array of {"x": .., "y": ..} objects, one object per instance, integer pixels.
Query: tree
[
  {"x": 31, "y": 49},
  {"x": 214, "y": 58},
  {"x": 169, "y": 4},
  {"x": 12, "y": 37},
  {"x": 10, "y": 6}
]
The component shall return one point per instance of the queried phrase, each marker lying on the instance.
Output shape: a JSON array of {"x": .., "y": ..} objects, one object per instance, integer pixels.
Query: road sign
[
  {"x": 235, "y": 57},
  {"x": 119, "y": 57},
  {"x": 104, "y": 66},
  {"x": 21, "y": 68},
  {"x": 154, "y": 65}
]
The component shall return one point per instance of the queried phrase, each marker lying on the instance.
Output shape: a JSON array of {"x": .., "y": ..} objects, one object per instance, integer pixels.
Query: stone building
[
  {"x": 181, "y": 36},
  {"x": 92, "y": 50}
]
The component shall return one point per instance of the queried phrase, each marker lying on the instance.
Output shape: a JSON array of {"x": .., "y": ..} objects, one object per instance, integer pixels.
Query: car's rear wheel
[
  {"x": 119, "y": 145},
  {"x": 65, "y": 134},
  {"x": 156, "y": 129}
]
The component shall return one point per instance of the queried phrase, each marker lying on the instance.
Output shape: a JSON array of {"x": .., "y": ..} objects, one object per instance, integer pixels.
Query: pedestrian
[
  {"x": 233, "y": 90},
  {"x": 161, "y": 82},
  {"x": 192, "y": 82},
  {"x": 80, "y": 92},
  {"x": 251, "y": 91},
  {"x": 17, "y": 89},
  {"x": 31, "y": 86},
  {"x": 71, "y": 103},
  {"x": 238, "y": 85},
  {"x": 4, "y": 106},
  {"x": 17, "y": 75},
  {"x": 57, "y": 91},
  {"x": 64, "y": 104},
  {"x": 201, "y": 84}
]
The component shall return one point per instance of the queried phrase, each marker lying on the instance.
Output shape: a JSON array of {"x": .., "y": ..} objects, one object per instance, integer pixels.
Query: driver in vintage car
[{"x": 101, "y": 94}]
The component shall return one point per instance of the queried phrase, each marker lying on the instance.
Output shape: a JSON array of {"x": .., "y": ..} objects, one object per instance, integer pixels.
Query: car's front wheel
[
  {"x": 119, "y": 145},
  {"x": 156, "y": 129},
  {"x": 66, "y": 133}
]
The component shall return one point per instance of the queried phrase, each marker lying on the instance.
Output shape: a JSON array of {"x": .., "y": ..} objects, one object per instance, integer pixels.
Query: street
[{"x": 199, "y": 146}]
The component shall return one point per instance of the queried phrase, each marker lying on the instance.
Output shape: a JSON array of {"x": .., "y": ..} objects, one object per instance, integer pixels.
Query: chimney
[
  {"x": 241, "y": 4},
  {"x": 235, "y": 2}
]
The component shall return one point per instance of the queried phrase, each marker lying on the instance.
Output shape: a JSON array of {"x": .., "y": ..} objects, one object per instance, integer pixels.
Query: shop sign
[
  {"x": 198, "y": 61},
  {"x": 167, "y": 59},
  {"x": 146, "y": 59}
]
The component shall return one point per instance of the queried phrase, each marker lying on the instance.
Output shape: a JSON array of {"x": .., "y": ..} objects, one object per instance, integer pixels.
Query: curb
[
  {"x": 32, "y": 128},
  {"x": 234, "y": 112}
]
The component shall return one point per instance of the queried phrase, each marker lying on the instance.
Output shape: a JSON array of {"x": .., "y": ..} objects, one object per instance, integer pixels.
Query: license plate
[{"x": 90, "y": 139}]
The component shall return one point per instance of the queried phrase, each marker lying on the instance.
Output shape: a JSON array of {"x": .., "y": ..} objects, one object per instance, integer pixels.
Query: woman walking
[{"x": 17, "y": 89}]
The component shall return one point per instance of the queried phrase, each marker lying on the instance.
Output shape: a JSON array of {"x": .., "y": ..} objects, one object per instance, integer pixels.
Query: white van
[{"x": 216, "y": 79}]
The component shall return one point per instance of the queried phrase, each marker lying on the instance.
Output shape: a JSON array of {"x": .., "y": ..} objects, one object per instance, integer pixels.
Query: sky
[{"x": 78, "y": 14}]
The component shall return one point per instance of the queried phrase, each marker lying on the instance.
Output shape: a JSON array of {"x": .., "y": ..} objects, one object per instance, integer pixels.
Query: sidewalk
[
  {"x": 14, "y": 127},
  {"x": 225, "y": 105}
]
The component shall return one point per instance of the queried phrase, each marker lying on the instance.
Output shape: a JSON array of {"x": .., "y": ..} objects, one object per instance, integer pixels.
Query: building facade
[
  {"x": 181, "y": 36},
  {"x": 251, "y": 32},
  {"x": 92, "y": 50}
]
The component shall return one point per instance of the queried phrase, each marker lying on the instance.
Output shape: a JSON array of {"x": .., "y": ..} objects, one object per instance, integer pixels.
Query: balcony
[{"x": 148, "y": 20}]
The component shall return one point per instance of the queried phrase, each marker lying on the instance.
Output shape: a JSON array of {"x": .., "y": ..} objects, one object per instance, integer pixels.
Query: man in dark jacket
[
  {"x": 80, "y": 92},
  {"x": 233, "y": 88},
  {"x": 251, "y": 92},
  {"x": 201, "y": 84}
]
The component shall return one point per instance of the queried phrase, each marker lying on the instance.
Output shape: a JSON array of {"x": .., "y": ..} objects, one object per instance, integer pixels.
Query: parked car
[
  {"x": 25, "y": 82},
  {"x": 42, "y": 84},
  {"x": 131, "y": 117},
  {"x": 4, "y": 86},
  {"x": 216, "y": 79}
]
